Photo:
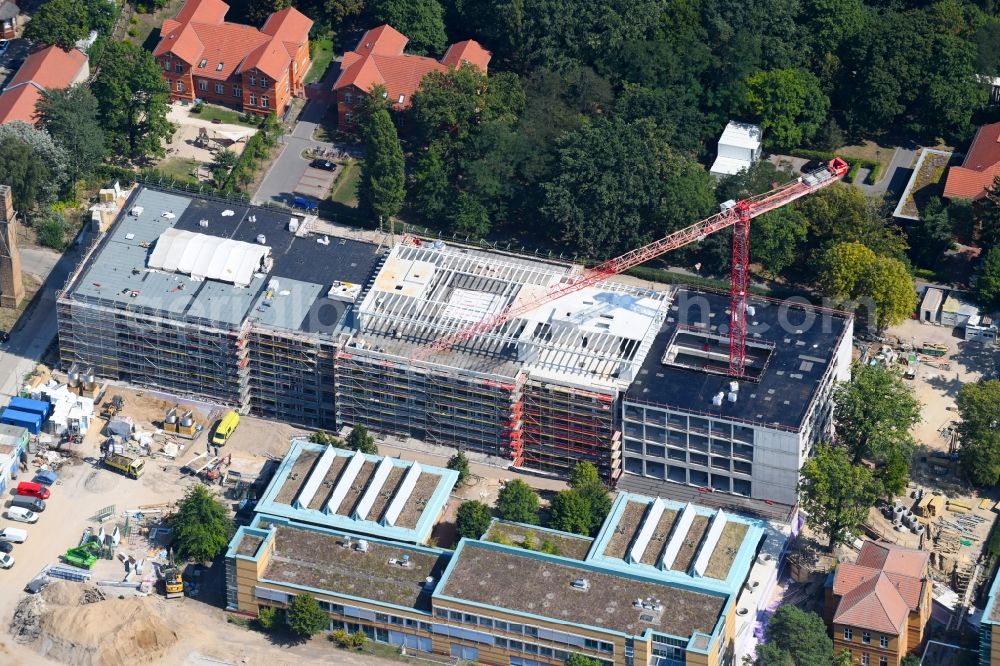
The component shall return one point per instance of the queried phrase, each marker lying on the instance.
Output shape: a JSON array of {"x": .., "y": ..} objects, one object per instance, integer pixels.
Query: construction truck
[
  {"x": 112, "y": 407},
  {"x": 130, "y": 466},
  {"x": 173, "y": 581}
]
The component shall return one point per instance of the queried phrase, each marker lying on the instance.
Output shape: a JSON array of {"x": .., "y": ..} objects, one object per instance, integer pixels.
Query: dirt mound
[
  {"x": 99, "y": 481},
  {"x": 77, "y": 625}
]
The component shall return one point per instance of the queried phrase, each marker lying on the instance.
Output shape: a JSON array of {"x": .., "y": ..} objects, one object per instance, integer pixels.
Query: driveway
[
  {"x": 896, "y": 175},
  {"x": 282, "y": 180}
]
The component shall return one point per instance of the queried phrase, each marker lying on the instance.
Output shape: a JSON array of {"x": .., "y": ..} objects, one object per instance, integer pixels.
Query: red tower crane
[{"x": 736, "y": 214}]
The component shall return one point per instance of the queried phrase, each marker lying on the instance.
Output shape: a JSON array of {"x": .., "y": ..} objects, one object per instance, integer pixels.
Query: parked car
[
  {"x": 6, "y": 561},
  {"x": 36, "y": 584},
  {"x": 304, "y": 204},
  {"x": 29, "y": 503},
  {"x": 46, "y": 477},
  {"x": 4, "y": 45},
  {"x": 33, "y": 489},
  {"x": 325, "y": 165},
  {"x": 6, "y": 546},
  {"x": 22, "y": 515},
  {"x": 13, "y": 535}
]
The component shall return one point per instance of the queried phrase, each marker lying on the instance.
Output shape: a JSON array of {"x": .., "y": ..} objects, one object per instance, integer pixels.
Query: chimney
[{"x": 11, "y": 286}]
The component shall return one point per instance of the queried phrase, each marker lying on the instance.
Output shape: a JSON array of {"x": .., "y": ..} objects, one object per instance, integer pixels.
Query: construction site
[{"x": 521, "y": 359}]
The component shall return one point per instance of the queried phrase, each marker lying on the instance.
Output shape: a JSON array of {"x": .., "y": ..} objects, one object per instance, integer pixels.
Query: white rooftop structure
[
  {"x": 208, "y": 257},
  {"x": 739, "y": 148}
]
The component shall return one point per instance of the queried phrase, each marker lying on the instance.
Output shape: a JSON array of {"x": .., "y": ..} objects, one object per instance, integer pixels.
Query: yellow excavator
[{"x": 173, "y": 581}]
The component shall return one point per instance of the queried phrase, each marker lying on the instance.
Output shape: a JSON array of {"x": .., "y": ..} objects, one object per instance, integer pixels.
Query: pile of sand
[
  {"x": 100, "y": 481},
  {"x": 77, "y": 625}
]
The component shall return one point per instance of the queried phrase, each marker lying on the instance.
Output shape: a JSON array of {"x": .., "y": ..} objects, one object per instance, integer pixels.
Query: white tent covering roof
[{"x": 207, "y": 257}]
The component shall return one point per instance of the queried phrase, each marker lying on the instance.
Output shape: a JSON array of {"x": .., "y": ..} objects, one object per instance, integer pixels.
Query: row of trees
[
  {"x": 66, "y": 22},
  {"x": 873, "y": 415}
]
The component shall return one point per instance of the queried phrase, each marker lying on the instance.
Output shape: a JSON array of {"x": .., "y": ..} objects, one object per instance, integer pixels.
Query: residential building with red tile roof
[
  {"x": 878, "y": 607},
  {"x": 50, "y": 68},
  {"x": 378, "y": 59},
  {"x": 255, "y": 71},
  {"x": 980, "y": 168}
]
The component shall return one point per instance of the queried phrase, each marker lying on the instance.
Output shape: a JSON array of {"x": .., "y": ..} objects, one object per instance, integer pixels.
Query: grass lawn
[
  {"x": 869, "y": 150},
  {"x": 181, "y": 169},
  {"x": 345, "y": 189},
  {"x": 327, "y": 127},
  {"x": 321, "y": 58},
  {"x": 146, "y": 28},
  {"x": 211, "y": 112},
  {"x": 9, "y": 316}
]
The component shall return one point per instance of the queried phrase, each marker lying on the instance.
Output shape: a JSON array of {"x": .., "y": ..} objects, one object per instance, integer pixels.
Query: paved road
[
  {"x": 896, "y": 175},
  {"x": 37, "y": 327}
]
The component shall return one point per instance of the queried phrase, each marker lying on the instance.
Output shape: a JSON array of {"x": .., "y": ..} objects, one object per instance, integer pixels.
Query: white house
[{"x": 739, "y": 148}]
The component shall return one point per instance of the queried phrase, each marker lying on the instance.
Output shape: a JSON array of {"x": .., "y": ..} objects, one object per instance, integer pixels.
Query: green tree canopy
[
  {"x": 987, "y": 285},
  {"x": 133, "y": 101},
  {"x": 472, "y": 519},
  {"x": 70, "y": 116},
  {"x": 517, "y": 501},
  {"x": 930, "y": 237},
  {"x": 460, "y": 463},
  {"x": 619, "y": 185},
  {"x": 359, "y": 440},
  {"x": 59, "y": 22},
  {"x": 570, "y": 512},
  {"x": 24, "y": 172},
  {"x": 202, "y": 526},
  {"x": 383, "y": 181},
  {"x": 586, "y": 481},
  {"x": 305, "y": 617},
  {"x": 420, "y": 20},
  {"x": 801, "y": 634},
  {"x": 873, "y": 414},
  {"x": 853, "y": 272},
  {"x": 979, "y": 434},
  {"x": 987, "y": 213},
  {"x": 34, "y": 166},
  {"x": 790, "y": 104},
  {"x": 577, "y": 659},
  {"x": 836, "y": 494}
]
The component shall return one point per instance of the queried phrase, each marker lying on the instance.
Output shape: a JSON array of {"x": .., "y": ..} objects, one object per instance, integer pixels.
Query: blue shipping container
[
  {"x": 33, "y": 422},
  {"x": 31, "y": 406}
]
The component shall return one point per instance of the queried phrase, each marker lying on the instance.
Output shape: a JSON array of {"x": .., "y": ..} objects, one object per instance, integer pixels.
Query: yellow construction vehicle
[
  {"x": 112, "y": 407},
  {"x": 173, "y": 582}
]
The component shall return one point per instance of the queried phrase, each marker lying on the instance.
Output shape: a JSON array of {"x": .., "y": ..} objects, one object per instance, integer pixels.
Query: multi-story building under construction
[{"x": 253, "y": 308}]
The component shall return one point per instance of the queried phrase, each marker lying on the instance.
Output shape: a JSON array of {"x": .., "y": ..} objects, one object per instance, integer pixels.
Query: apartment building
[{"x": 205, "y": 57}]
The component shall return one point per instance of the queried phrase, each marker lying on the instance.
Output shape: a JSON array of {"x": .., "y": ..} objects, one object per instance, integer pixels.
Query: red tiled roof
[
  {"x": 271, "y": 57},
  {"x": 468, "y": 51},
  {"x": 874, "y": 604},
  {"x": 981, "y": 166},
  {"x": 288, "y": 25},
  {"x": 893, "y": 559},
  {"x": 51, "y": 67},
  {"x": 203, "y": 11},
  {"x": 379, "y": 59},
  {"x": 19, "y": 104}
]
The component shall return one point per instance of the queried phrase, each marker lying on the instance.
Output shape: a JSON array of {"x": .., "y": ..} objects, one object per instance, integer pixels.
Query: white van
[
  {"x": 13, "y": 534},
  {"x": 6, "y": 561},
  {"x": 22, "y": 515}
]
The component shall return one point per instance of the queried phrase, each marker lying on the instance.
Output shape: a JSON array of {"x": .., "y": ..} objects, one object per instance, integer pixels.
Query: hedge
[
  {"x": 873, "y": 174},
  {"x": 852, "y": 173}
]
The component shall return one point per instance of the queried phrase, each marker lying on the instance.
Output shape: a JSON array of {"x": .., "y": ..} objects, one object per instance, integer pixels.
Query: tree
[
  {"x": 979, "y": 453},
  {"x": 24, "y": 172},
  {"x": 359, "y": 440},
  {"x": 801, "y": 634},
  {"x": 790, "y": 105},
  {"x": 70, "y": 116},
  {"x": 853, "y": 272},
  {"x": 586, "y": 480},
  {"x": 618, "y": 185},
  {"x": 584, "y": 474},
  {"x": 202, "y": 526},
  {"x": 472, "y": 519},
  {"x": 576, "y": 659},
  {"x": 987, "y": 286},
  {"x": 38, "y": 174},
  {"x": 460, "y": 464},
  {"x": 133, "y": 100},
  {"x": 59, "y": 22},
  {"x": 987, "y": 213},
  {"x": 930, "y": 237},
  {"x": 420, "y": 20},
  {"x": 305, "y": 617},
  {"x": 222, "y": 164},
  {"x": 893, "y": 474},
  {"x": 383, "y": 181},
  {"x": 873, "y": 414},
  {"x": 769, "y": 654},
  {"x": 52, "y": 228},
  {"x": 431, "y": 190},
  {"x": 836, "y": 494},
  {"x": 517, "y": 501},
  {"x": 570, "y": 512}
]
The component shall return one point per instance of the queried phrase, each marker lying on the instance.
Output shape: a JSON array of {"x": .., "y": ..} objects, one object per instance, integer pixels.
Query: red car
[{"x": 31, "y": 489}]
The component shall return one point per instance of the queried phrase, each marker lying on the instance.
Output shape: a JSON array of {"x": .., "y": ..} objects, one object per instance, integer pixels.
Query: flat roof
[
  {"x": 291, "y": 295},
  {"x": 366, "y": 494},
  {"x": 805, "y": 343},
  {"x": 572, "y": 546},
  {"x": 742, "y": 135},
  {"x": 534, "y": 584},
  {"x": 311, "y": 557},
  {"x": 932, "y": 299},
  {"x": 955, "y": 303},
  {"x": 597, "y": 336}
]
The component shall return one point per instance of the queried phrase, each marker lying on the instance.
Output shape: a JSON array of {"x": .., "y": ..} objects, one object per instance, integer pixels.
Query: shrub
[
  {"x": 198, "y": 107},
  {"x": 873, "y": 174},
  {"x": 52, "y": 231},
  {"x": 305, "y": 617},
  {"x": 550, "y": 548},
  {"x": 528, "y": 542},
  {"x": 500, "y": 538},
  {"x": 358, "y": 640},
  {"x": 267, "y": 618},
  {"x": 340, "y": 637},
  {"x": 852, "y": 173}
]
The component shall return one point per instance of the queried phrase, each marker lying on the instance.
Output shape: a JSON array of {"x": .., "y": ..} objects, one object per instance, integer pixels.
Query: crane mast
[{"x": 736, "y": 214}]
